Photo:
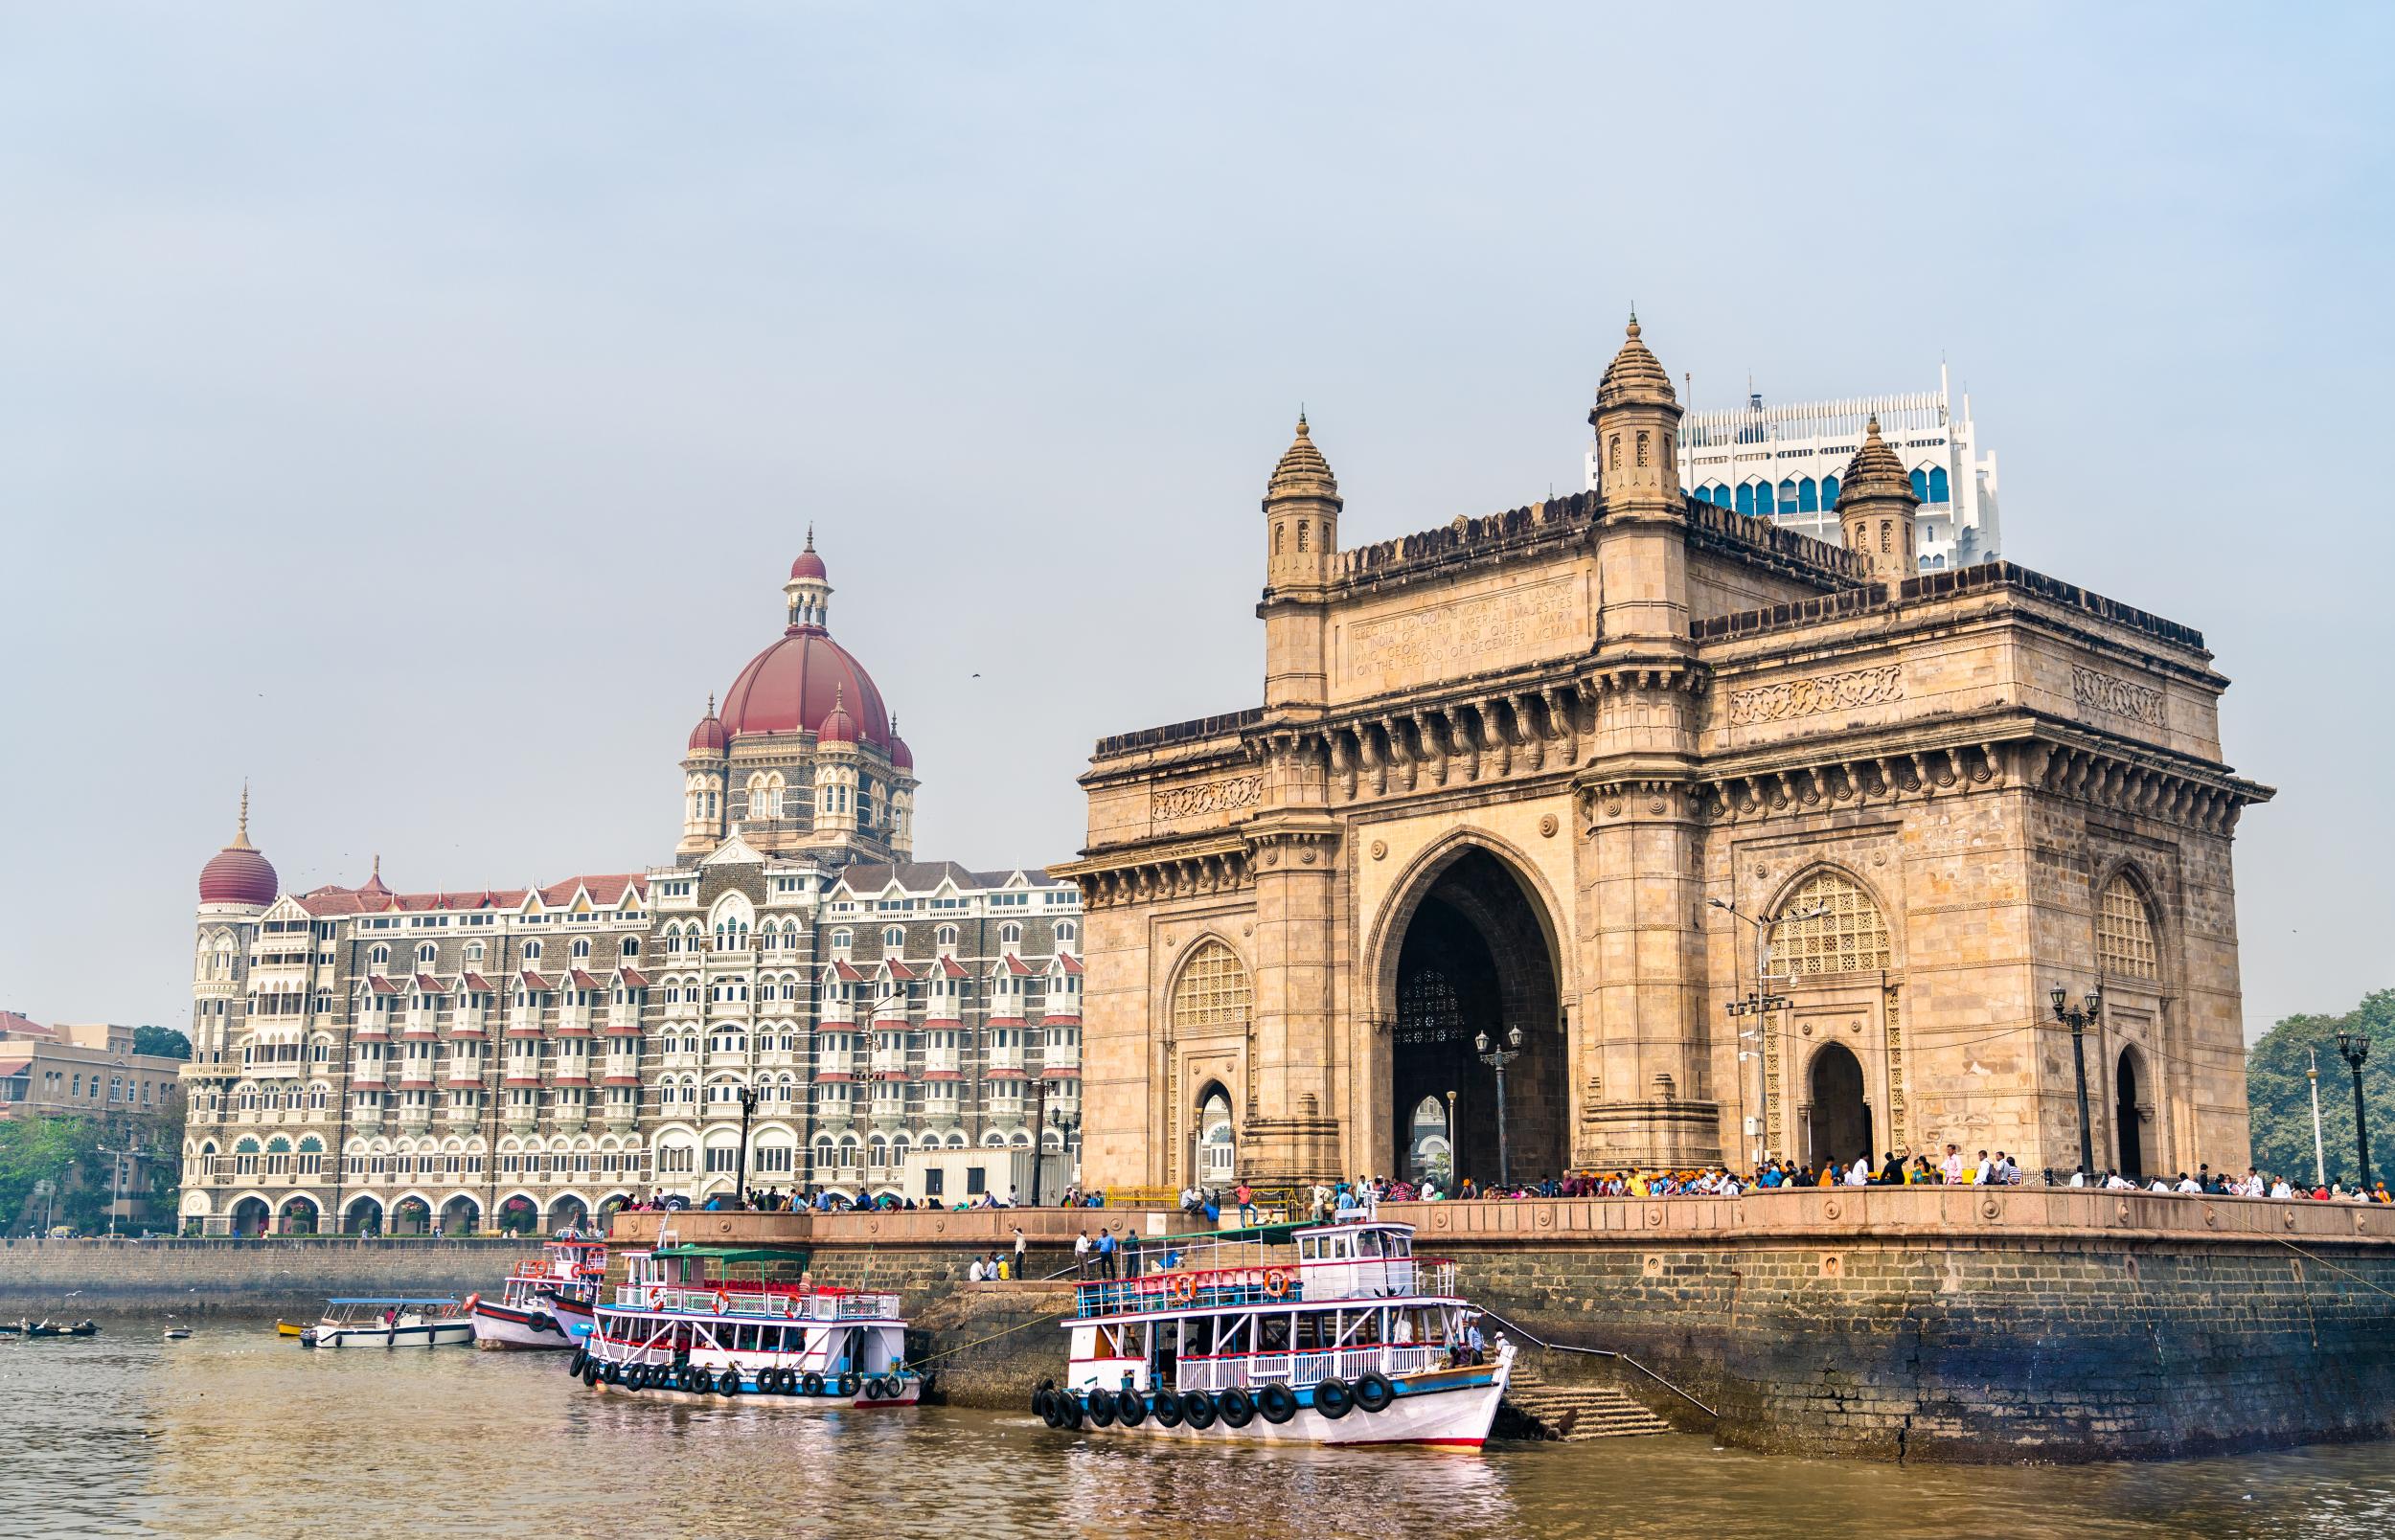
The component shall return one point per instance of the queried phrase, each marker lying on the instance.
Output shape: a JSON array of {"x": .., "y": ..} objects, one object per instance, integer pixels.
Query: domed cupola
[
  {"x": 901, "y": 757},
  {"x": 709, "y": 735},
  {"x": 1876, "y": 503},
  {"x": 837, "y": 727},
  {"x": 237, "y": 873},
  {"x": 793, "y": 684}
]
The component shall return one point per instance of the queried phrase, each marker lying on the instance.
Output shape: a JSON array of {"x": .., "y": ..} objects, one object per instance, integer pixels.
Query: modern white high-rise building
[{"x": 1782, "y": 462}]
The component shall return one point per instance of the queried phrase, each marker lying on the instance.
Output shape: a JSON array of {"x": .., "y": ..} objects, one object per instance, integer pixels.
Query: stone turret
[
  {"x": 1874, "y": 507},
  {"x": 1642, "y": 515},
  {"x": 1301, "y": 516}
]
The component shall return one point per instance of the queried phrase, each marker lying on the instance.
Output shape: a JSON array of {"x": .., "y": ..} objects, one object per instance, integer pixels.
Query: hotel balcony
[
  {"x": 462, "y": 1116},
  {"x": 622, "y": 1067},
  {"x": 1003, "y": 1061},
  {"x": 940, "y": 1061},
  {"x": 421, "y": 1024},
  {"x": 524, "y": 1023},
  {"x": 366, "y": 1117},
  {"x": 465, "y": 1072},
  {"x": 727, "y": 1059}
]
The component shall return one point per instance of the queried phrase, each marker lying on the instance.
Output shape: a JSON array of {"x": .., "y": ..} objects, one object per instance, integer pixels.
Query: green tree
[
  {"x": 40, "y": 1150},
  {"x": 166, "y": 1042},
  {"x": 2278, "y": 1092}
]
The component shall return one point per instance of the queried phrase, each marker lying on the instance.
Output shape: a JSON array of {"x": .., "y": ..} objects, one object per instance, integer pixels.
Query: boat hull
[
  {"x": 456, "y": 1333},
  {"x": 910, "y": 1394},
  {"x": 505, "y": 1327},
  {"x": 1451, "y": 1409}
]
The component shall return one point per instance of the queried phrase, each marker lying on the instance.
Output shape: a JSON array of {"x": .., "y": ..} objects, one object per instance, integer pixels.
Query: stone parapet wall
[{"x": 80, "y": 1277}]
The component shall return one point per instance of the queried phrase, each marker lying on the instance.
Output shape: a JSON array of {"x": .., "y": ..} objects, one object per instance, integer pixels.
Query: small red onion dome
[
  {"x": 838, "y": 727},
  {"x": 901, "y": 757},
  {"x": 709, "y": 735},
  {"x": 238, "y": 875},
  {"x": 808, "y": 564}
]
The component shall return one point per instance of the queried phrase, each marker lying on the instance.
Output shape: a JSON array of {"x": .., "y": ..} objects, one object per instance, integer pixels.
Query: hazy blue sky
[{"x": 415, "y": 409}]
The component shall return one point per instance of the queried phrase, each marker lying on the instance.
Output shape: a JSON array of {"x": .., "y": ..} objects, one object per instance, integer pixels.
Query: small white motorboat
[{"x": 368, "y": 1322}]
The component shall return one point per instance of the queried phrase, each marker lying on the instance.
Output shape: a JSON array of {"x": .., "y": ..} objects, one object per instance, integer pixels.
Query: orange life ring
[
  {"x": 1275, "y": 1282},
  {"x": 723, "y": 1302},
  {"x": 472, "y": 1301},
  {"x": 1182, "y": 1286}
]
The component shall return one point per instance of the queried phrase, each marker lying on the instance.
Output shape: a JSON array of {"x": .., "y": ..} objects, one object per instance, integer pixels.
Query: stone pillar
[{"x": 1290, "y": 1128}]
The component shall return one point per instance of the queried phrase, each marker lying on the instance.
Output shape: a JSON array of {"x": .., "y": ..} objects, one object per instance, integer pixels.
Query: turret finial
[{"x": 240, "y": 833}]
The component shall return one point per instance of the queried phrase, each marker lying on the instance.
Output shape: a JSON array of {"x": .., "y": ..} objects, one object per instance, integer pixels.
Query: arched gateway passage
[
  {"x": 1839, "y": 1120},
  {"x": 2125, "y": 1119},
  {"x": 1476, "y": 958}
]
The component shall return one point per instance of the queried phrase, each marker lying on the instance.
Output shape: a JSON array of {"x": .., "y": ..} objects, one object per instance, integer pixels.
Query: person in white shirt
[
  {"x": 2188, "y": 1184},
  {"x": 1983, "y": 1172},
  {"x": 2159, "y": 1186},
  {"x": 1951, "y": 1168},
  {"x": 2079, "y": 1177},
  {"x": 1860, "y": 1173},
  {"x": 2117, "y": 1183},
  {"x": 974, "y": 1274},
  {"x": 2280, "y": 1190},
  {"x": 1403, "y": 1335}
]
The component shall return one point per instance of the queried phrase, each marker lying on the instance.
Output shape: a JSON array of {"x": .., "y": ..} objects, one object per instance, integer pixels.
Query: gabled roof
[
  {"x": 1072, "y": 964},
  {"x": 536, "y": 981},
  {"x": 382, "y": 985},
  {"x": 848, "y": 972},
  {"x": 952, "y": 968},
  {"x": 582, "y": 980},
  {"x": 1014, "y": 966},
  {"x": 426, "y": 984},
  {"x": 897, "y": 968},
  {"x": 334, "y": 900},
  {"x": 633, "y": 978},
  {"x": 477, "y": 983}
]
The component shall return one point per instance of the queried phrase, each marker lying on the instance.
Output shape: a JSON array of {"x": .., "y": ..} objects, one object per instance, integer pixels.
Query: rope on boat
[{"x": 1044, "y": 1321}]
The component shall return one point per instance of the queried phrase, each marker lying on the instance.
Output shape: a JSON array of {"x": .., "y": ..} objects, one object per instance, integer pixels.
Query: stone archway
[
  {"x": 1837, "y": 1120},
  {"x": 250, "y": 1216},
  {"x": 2128, "y": 1124},
  {"x": 1215, "y": 1131},
  {"x": 362, "y": 1217},
  {"x": 568, "y": 1212},
  {"x": 298, "y": 1216},
  {"x": 461, "y": 1216},
  {"x": 1476, "y": 956}
]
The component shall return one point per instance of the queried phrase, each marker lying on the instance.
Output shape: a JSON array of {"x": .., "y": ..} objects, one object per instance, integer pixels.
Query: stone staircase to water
[{"x": 1577, "y": 1413}]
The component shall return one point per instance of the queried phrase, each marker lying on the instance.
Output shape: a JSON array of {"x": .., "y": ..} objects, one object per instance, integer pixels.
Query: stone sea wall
[{"x": 59, "y": 1278}]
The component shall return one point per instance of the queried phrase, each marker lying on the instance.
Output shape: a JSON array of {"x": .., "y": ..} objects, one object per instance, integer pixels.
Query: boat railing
[
  {"x": 766, "y": 1305},
  {"x": 1296, "y": 1282},
  {"x": 1249, "y": 1370}
]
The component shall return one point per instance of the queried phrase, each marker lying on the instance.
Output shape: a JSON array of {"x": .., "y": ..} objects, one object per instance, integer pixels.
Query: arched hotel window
[
  {"x": 1746, "y": 498},
  {"x": 1808, "y": 496},
  {"x": 1763, "y": 500},
  {"x": 1787, "y": 497},
  {"x": 1212, "y": 991},
  {"x": 1848, "y": 935},
  {"x": 1829, "y": 491},
  {"x": 1937, "y": 485},
  {"x": 2125, "y": 932},
  {"x": 1921, "y": 485}
]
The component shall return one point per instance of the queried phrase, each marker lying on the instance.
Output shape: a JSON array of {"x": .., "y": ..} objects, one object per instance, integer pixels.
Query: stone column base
[
  {"x": 1648, "y": 1135},
  {"x": 1290, "y": 1151}
]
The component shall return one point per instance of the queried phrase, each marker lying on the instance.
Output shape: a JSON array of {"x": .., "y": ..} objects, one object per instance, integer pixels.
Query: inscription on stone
[
  {"x": 1207, "y": 797},
  {"x": 1467, "y": 634},
  {"x": 1821, "y": 692},
  {"x": 2121, "y": 697}
]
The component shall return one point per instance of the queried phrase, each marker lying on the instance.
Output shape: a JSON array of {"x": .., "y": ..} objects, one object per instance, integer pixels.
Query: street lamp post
[
  {"x": 1497, "y": 1058},
  {"x": 1455, "y": 1146},
  {"x": 1757, "y": 1002},
  {"x": 748, "y": 1107},
  {"x": 2078, "y": 1020},
  {"x": 2353, "y": 1048}
]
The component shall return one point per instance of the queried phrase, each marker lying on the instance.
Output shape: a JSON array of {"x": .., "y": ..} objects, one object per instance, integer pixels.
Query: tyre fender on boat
[
  {"x": 1167, "y": 1410},
  {"x": 728, "y": 1383},
  {"x": 1237, "y": 1407},
  {"x": 1375, "y": 1391},
  {"x": 848, "y": 1386},
  {"x": 812, "y": 1384},
  {"x": 1334, "y": 1399},
  {"x": 542, "y": 1321},
  {"x": 1131, "y": 1407},
  {"x": 1277, "y": 1402},
  {"x": 874, "y": 1391},
  {"x": 1068, "y": 1409},
  {"x": 1198, "y": 1409},
  {"x": 573, "y": 1365},
  {"x": 1102, "y": 1408}
]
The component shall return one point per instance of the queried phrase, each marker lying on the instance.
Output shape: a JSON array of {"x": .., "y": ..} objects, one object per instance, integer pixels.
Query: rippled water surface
[{"x": 237, "y": 1433}]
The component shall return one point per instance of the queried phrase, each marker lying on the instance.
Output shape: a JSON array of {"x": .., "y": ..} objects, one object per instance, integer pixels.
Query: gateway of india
[{"x": 1760, "y": 844}]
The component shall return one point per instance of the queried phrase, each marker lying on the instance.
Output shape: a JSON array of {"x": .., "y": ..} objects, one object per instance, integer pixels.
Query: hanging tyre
[
  {"x": 1334, "y": 1399},
  {"x": 1052, "y": 1408},
  {"x": 1131, "y": 1407},
  {"x": 1375, "y": 1391},
  {"x": 1277, "y": 1402},
  {"x": 1068, "y": 1409},
  {"x": 1167, "y": 1410},
  {"x": 848, "y": 1386},
  {"x": 573, "y": 1365},
  {"x": 1102, "y": 1408},
  {"x": 1238, "y": 1408},
  {"x": 1040, "y": 1402},
  {"x": 1198, "y": 1409}
]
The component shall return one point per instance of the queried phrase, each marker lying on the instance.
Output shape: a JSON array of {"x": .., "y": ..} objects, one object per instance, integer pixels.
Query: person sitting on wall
[{"x": 1892, "y": 1171}]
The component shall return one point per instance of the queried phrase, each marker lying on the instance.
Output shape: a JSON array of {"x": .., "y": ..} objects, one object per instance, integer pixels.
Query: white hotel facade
[{"x": 1782, "y": 462}]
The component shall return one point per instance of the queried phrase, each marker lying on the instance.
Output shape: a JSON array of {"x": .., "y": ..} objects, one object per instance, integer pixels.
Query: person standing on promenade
[{"x": 1081, "y": 1254}]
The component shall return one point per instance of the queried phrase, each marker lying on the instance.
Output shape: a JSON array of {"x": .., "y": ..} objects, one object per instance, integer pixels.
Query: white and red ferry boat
[
  {"x": 680, "y": 1327},
  {"x": 543, "y": 1303},
  {"x": 1325, "y": 1334}
]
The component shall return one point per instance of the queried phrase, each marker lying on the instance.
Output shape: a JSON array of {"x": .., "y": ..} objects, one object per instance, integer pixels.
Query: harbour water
[{"x": 236, "y": 1433}]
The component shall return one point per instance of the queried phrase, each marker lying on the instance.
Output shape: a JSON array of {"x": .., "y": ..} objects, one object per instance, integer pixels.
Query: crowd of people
[{"x": 824, "y": 1200}]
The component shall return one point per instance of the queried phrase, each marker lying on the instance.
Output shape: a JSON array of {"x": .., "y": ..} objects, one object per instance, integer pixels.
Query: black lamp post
[
  {"x": 2077, "y": 1021},
  {"x": 1496, "y": 1059},
  {"x": 748, "y": 1094},
  {"x": 2353, "y": 1048}
]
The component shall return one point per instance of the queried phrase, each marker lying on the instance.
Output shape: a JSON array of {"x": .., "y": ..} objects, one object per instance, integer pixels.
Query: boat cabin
[{"x": 712, "y": 1307}]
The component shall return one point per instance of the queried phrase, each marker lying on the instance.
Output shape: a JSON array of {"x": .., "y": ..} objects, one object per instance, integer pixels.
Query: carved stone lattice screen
[
  {"x": 1212, "y": 991},
  {"x": 2125, "y": 932},
  {"x": 1849, "y": 936}
]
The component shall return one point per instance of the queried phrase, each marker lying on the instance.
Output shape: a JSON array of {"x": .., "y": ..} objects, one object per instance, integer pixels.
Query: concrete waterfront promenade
[
  {"x": 283, "y": 1274},
  {"x": 1967, "y": 1324}
]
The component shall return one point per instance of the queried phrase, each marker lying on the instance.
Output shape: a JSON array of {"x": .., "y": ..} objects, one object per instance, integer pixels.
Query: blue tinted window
[
  {"x": 1921, "y": 487},
  {"x": 1808, "y": 496},
  {"x": 1721, "y": 494},
  {"x": 1937, "y": 485},
  {"x": 1829, "y": 491},
  {"x": 1746, "y": 497},
  {"x": 1763, "y": 498}
]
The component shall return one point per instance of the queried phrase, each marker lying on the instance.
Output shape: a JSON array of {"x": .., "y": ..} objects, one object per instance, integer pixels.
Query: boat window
[
  {"x": 1368, "y": 1243},
  {"x": 744, "y": 1340},
  {"x": 1313, "y": 1331},
  {"x": 1309, "y": 1248},
  {"x": 1274, "y": 1337},
  {"x": 1134, "y": 1342},
  {"x": 1197, "y": 1336},
  {"x": 1341, "y": 1248},
  {"x": 1401, "y": 1245}
]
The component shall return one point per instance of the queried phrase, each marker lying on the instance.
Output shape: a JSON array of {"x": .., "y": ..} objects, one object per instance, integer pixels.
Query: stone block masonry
[{"x": 192, "y": 1277}]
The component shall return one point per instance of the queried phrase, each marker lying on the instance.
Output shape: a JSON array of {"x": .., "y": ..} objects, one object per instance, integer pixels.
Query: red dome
[
  {"x": 807, "y": 565},
  {"x": 796, "y": 682},
  {"x": 901, "y": 757},
  {"x": 708, "y": 736},
  {"x": 840, "y": 727},
  {"x": 238, "y": 875}
]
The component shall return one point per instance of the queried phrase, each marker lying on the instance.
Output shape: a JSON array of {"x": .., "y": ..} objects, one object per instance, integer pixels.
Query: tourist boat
[
  {"x": 49, "y": 1329},
  {"x": 680, "y": 1327},
  {"x": 544, "y": 1300},
  {"x": 1322, "y": 1334},
  {"x": 289, "y": 1328},
  {"x": 391, "y": 1323}
]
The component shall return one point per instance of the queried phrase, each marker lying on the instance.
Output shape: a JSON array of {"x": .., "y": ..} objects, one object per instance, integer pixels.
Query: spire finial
[
  {"x": 710, "y": 703},
  {"x": 240, "y": 832},
  {"x": 1872, "y": 428},
  {"x": 811, "y": 534},
  {"x": 1301, "y": 420},
  {"x": 378, "y": 864},
  {"x": 1632, "y": 329}
]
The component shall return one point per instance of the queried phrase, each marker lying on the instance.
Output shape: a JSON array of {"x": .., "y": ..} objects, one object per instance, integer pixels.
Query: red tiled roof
[
  {"x": 426, "y": 984},
  {"x": 634, "y": 977},
  {"x": 1015, "y": 966},
  {"x": 1063, "y": 1072},
  {"x": 334, "y": 899},
  {"x": 846, "y": 971},
  {"x": 536, "y": 981},
  {"x": 13, "y": 1025},
  {"x": 1003, "y": 1074},
  {"x": 624, "y": 1029},
  {"x": 1061, "y": 1018},
  {"x": 382, "y": 985},
  {"x": 898, "y": 968},
  {"x": 583, "y": 981},
  {"x": 1072, "y": 964},
  {"x": 477, "y": 983},
  {"x": 950, "y": 967},
  {"x": 621, "y": 1079}
]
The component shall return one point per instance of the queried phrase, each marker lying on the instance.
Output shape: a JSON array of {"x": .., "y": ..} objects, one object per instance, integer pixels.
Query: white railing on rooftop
[{"x": 1297, "y": 1369}]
